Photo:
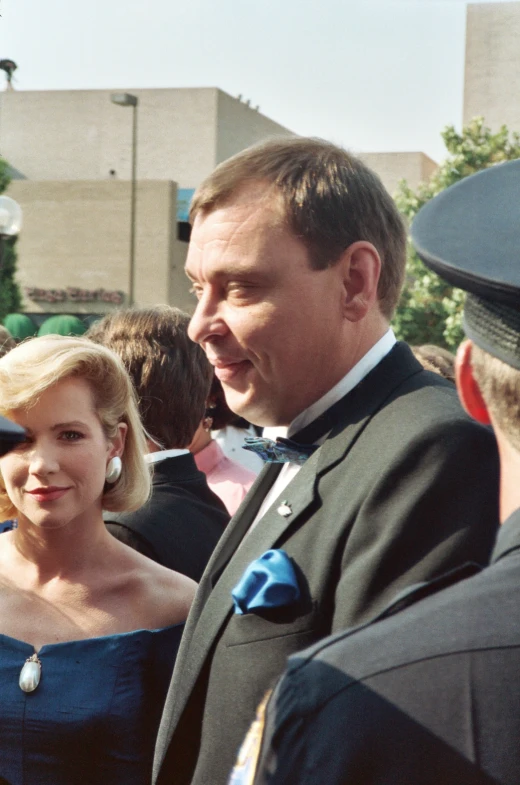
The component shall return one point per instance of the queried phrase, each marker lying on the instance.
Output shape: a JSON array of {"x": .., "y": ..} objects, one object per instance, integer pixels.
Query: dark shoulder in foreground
[{"x": 427, "y": 696}]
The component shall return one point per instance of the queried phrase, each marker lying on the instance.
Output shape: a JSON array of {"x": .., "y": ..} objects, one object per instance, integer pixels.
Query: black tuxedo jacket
[
  {"x": 404, "y": 487},
  {"x": 180, "y": 524},
  {"x": 430, "y": 696}
]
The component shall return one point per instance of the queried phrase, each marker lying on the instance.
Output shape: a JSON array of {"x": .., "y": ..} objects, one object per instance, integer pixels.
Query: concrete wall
[
  {"x": 492, "y": 68},
  {"x": 81, "y": 135},
  {"x": 239, "y": 126},
  {"x": 76, "y": 234},
  {"x": 392, "y": 167}
]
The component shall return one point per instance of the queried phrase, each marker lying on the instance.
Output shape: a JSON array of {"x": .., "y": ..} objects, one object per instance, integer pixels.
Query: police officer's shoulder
[
  {"x": 402, "y": 601},
  {"x": 429, "y": 620},
  {"x": 335, "y": 669}
]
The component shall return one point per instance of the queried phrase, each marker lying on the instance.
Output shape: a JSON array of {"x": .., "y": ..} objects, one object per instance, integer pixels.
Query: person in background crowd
[
  {"x": 429, "y": 694},
  {"x": 89, "y": 628},
  {"x": 230, "y": 431},
  {"x": 227, "y": 478},
  {"x": 297, "y": 259},
  {"x": 182, "y": 521},
  {"x": 436, "y": 359}
]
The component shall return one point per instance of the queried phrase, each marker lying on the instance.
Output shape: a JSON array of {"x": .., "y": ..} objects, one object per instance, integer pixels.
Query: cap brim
[{"x": 470, "y": 234}]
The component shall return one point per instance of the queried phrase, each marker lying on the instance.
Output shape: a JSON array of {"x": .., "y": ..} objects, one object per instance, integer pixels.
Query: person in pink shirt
[{"x": 227, "y": 478}]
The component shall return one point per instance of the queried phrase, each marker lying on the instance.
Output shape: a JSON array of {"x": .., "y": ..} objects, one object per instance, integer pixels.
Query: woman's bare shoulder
[
  {"x": 170, "y": 585},
  {"x": 164, "y": 595}
]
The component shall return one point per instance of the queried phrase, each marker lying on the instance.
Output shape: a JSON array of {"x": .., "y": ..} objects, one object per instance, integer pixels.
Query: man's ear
[
  {"x": 467, "y": 387},
  {"x": 361, "y": 268}
]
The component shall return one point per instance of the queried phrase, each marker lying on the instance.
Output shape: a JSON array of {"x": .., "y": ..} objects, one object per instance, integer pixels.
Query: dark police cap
[
  {"x": 470, "y": 235},
  {"x": 10, "y": 434}
]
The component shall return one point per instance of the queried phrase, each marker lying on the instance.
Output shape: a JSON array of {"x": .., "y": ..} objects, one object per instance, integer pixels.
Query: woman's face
[{"x": 57, "y": 475}]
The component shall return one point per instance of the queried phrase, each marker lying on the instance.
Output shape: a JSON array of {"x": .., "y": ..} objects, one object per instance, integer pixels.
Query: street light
[
  {"x": 10, "y": 222},
  {"x": 126, "y": 99}
]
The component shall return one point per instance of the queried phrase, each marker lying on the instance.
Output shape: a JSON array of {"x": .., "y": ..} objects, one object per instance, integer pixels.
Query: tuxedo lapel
[
  {"x": 218, "y": 604},
  {"x": 367, "y": 398},
  {"x": 242, "y": 520},
  {"x": 233, "y": 535}
]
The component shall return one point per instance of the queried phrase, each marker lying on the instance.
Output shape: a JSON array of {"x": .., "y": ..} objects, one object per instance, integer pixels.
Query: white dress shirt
[{"x": 289, "y": 470}]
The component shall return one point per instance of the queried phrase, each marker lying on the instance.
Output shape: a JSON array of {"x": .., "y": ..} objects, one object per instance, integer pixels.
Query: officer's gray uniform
[{"x": 429, "y": 696}]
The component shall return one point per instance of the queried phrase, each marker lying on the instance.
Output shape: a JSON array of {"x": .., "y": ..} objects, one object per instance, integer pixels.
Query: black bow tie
[
  {"x": 297, "y": 451},
  {"x": 280, "y": 451}
]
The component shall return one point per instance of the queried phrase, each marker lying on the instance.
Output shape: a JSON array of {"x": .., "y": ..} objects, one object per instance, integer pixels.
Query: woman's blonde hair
[{"x": 38, "y": 363}]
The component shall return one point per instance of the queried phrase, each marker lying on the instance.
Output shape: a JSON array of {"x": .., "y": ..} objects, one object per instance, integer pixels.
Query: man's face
[{"x": 271, "y": 325}]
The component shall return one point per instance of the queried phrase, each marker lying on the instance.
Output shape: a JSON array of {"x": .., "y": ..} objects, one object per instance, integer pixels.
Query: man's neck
[{"x": 351, "y": 379}]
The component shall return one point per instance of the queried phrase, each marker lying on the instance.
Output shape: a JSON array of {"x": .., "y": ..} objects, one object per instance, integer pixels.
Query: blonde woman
[{"x": 89, "y": 628}]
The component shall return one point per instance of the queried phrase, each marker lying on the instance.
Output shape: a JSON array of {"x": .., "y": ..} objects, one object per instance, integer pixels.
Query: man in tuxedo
[
  {"x": 297, "y": 259},
  {"x": 182, "y": 521},
  {"x": 430, "y": 693}
]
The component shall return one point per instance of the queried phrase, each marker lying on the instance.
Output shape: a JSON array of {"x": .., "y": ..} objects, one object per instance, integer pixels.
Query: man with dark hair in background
[
  {"x": 297, "y": 258},
  {"x": 182, "y": 521}
]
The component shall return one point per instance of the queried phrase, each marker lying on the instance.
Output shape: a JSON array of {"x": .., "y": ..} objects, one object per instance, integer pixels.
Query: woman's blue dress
[{"x": 94, "y": 716}]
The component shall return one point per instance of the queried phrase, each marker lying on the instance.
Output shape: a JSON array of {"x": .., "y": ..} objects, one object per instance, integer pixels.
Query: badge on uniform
[{"x": 247, "y": 761}]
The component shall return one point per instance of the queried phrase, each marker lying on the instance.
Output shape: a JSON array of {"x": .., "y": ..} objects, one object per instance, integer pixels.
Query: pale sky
[{"x": 373, "y": 75}]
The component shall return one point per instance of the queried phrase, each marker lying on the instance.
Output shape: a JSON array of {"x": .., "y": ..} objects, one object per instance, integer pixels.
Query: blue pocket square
[{"x": 268, "y": 582}]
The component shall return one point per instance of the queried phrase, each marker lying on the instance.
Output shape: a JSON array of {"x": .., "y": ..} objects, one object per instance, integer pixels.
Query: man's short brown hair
[
  {"x": 331, "y": 200},
  {"x": 170, "y": 373},
  {"x": 499, "y": 384}
]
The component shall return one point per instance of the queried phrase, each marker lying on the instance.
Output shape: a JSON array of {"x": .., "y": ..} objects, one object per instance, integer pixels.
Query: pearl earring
[{"x": 114, "y": 468}]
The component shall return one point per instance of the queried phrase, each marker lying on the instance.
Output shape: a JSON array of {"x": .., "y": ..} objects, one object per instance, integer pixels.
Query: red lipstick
[{"x": 48, "y": 493}]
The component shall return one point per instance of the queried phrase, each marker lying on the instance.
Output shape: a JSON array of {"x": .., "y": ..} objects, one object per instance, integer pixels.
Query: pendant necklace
[{"x": 30, "y": 674}]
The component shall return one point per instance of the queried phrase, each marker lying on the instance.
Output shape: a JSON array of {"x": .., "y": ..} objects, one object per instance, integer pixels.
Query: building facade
[
  {"x": 81, "y": 135},
  {"x": 492, "y": 64},
  {"x": 393, "y": 167},
  {"x": 70, "y": 152},
  {"x": 74, "y": 247}
]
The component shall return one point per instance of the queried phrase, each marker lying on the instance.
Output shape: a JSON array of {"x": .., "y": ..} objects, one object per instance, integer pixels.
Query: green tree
[
  {"x": 4, "y": 175},
  {"x": 10, "y": 297},
  {"x": 430, "y": 311}
]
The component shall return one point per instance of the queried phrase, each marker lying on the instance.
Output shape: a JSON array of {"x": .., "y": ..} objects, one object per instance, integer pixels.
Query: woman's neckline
[{"x": 97, "y": 638}]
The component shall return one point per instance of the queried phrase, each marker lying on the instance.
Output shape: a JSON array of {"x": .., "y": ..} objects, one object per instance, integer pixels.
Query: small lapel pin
[{"x": 284, "y": 509}]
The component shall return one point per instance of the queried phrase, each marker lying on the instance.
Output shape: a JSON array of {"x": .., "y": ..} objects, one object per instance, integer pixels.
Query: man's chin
[
  {"x": 248, "y": 406},
  {"x": 240, "y": 402}
]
